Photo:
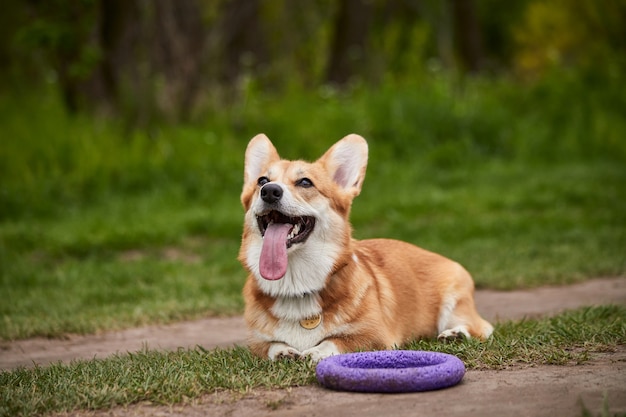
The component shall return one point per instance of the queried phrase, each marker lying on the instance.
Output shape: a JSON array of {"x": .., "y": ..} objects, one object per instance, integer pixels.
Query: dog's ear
[
  {"x": 346, "y": 162},
  {"x": 259, "y": 153}
]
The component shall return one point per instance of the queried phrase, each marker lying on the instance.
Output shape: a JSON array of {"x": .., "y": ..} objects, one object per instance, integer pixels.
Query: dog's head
[{"x": 296, "y": 226}]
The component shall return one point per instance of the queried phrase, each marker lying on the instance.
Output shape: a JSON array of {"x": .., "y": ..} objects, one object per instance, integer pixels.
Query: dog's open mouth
[
  {"x": 279, "y": 233},
  {"x": 301, "y": 227}
]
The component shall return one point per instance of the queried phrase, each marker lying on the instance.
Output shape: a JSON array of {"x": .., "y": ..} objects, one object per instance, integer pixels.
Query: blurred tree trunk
[
  {"x": 349, "y": 43},
  {"x": 239, "y": 39},
  {"x": 178, "y": 53},
  {"x": 114, "y": 24},
  {"x": 467, "y": 35},
  {"x": 152, "y": 52}
]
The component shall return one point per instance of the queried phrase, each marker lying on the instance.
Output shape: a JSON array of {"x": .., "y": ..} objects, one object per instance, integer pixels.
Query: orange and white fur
[{"x": 314, "y": 291}]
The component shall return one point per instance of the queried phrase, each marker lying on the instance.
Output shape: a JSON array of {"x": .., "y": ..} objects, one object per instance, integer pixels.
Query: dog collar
[{"x": 312, "y": 322}]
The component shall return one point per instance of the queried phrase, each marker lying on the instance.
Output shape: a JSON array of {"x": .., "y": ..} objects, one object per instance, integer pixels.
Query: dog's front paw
[
  {"x": 289, "y": 353},
  {"x": 321, "y": 351},
  {"x": 456, "y": 333},
  {"x": 280, "y": 351}
]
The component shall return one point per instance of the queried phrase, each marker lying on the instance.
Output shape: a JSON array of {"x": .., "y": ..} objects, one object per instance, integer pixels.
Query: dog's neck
[{"x": 297, "y": 307}]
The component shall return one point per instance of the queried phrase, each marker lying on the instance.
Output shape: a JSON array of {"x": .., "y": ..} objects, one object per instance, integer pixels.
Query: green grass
[
  {"x": 511, "y": 225},
  {"x": 104, "y": 228},
  {"x": 174, "y": 377}
]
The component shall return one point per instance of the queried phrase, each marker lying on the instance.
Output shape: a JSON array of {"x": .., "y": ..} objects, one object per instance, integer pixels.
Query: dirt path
[
  {"x": 213, "y": 332},
  {"x": 536, "y": 391},
  {"x": 543, "y": 391}
]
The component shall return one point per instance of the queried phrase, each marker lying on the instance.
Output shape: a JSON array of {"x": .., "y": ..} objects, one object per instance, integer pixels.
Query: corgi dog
[{"x": 313, "y": 291}]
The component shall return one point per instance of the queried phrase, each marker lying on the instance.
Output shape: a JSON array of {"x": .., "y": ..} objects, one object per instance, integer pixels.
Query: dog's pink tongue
[{"x": 273, "y": 262}]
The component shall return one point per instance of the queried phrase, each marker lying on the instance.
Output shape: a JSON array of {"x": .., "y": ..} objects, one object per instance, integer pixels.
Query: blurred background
[
  {"x": 496, "y": 130},
  {"x": 151, "y": 61}
]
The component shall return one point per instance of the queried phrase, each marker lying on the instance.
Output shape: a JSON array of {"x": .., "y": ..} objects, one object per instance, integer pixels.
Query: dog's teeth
[{"x": 294, "y": 231}]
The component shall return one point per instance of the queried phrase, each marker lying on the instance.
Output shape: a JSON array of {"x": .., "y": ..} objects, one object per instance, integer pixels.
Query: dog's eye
[
  {"x": 262, "y": 181},
  {"x": 304, "y": 183}
]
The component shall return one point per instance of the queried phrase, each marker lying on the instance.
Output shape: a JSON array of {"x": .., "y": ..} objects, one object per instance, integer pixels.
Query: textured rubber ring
[{"x": 390, "y": 371}]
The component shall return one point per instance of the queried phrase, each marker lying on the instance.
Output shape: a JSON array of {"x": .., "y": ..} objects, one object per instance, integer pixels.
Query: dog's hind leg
[{"x": 459, "y": 319}]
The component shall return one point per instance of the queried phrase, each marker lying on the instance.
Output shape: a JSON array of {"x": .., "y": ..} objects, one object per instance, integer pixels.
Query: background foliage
[{"x": 151, "y": 60}]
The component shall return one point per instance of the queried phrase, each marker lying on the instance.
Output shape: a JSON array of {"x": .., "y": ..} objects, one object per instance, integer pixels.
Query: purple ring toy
[{"x": 390, "y": 371}]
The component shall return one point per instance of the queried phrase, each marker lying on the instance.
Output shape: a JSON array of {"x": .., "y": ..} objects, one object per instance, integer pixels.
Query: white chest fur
[
  {"x": 296, "y": 336},
  {"x": 291, "y": 313}
]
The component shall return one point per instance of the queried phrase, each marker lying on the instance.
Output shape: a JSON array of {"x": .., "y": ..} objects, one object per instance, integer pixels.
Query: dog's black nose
[{"x": 271, "y": 193}]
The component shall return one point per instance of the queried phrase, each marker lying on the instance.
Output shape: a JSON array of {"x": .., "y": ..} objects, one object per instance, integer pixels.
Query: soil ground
[{"x": 520, "y": 391}]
